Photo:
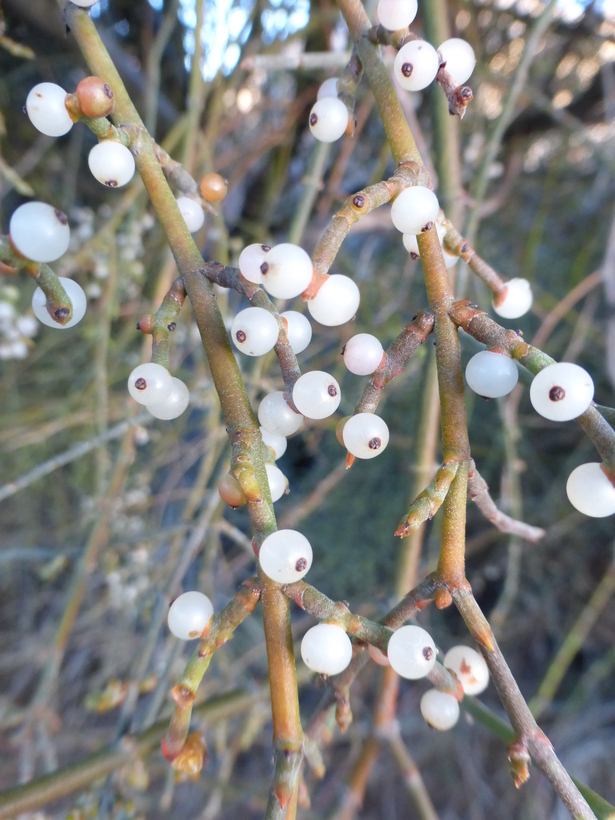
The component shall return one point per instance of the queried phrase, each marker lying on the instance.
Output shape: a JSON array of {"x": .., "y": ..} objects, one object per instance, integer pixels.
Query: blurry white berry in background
[
  {"x": 28, "y": 325},
  {"x": 278, "y": 482},
  {"x": 396, "y": 14},
  {"x": 150, "y": 383},
  {"x": 491, "y": 375},
  {"x": 416, "y": 66},
  {"x": 414, "y": 209},
  {"x": 450, "y": 260},
  {"x": 277, "y": 443},
  {"x": 440, "y": 710},
  {"x": 336, "y": 302},
  {"x": 316, "y": 394},
  {"x": 328, "y": 119},
  {"x": 193, "y": 214},
  {"x": 516, "y": 300},
  {"x": 276, "y": 416},
  {"x": 111, "y": 163},
  {"x": 328, "y": 88},
  {"x": 285, "y": 556},
  {"x": 189, "y": 615},
  {"x": 287, "y": 271},
  {"x": 326, "y": 649},
  {"x": 254, "y": 331},
  {"x": 39, "y": 231},
  {"x": 562, "y": 391},
  {"x": 298, "y": 329},
  {"x": 411, "y": 652},
  {"x": 85, "y": 4},
  {"x": 175, "y": 403},
  {"x": 46, "y": 109},
  {"x": 459, "y": 58},
  {"x": 76, "y": 295},
  {"x": 590, "y": 491},
  {"x": 362, "y": 354},
  {"x": 365, "y": 435},
  {"x": 470, "y": 668},
  {"x": 251, "y": 259}
]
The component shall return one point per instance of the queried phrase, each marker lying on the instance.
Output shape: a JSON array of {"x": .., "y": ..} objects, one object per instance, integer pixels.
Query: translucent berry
[
  {"x": 175, "y": 403},
  {"x": 515, "y": 300},
  {"x": 440, "y": 710},
  {"x": 328, "y": 119},
  {"x": 411, "y": 652},
  {"x": 277, "y": 443},
  {"x": 316, "y": 395},
  {"x": 287, "y": 271},
  {"x": 254, "y": 331},
  {"x": 491, "y": 374},
  {"x": 416, "y": 66},
  {"x": 76, "y": 295},
  {"x": 150, "y": 383},
  {"x": 336, "y": 302},
  {"x": 365, "y": 435},
  {"x": 415, "y": 210},
  {"x": 590, "y": 491},
  {"x": 95, "y": 97},
  {"x": 397, "y": 14},
  {"x": 39, "y": 231},
  {"x": 459, "y": 58},
  {"x": 45, "y": 106},
  {"x": 470, "y": 667},
  {"x": 111, "y": 163},
  {"x": 251, "y": 260},
  {"x": 213, "y": 187},
  {"x": 193, "y": 214},
  {"x": 230, "y": 491},
  {"x": 299, "y": 330},
  {"x": 328, "y": 88},
  {"x": 85, "y": 4},
  {"x": 276, "y": 416},
  {"x": 326, "y": 649},
  {"x": 562, "y": 391},
  {"x": 278, "y": 483},
  {"x": 411, "y": 245},
  {"x": 189, "y": 615},
  {"x": 285, "y": 556},
  {"x": 362, "y": 354}
]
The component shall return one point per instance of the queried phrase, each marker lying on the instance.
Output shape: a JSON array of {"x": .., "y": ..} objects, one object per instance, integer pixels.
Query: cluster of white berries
[
  {"x": 15, "y": 330},
  {"x": 164, "y": 396},
  {"x": 417, "y": 62}
]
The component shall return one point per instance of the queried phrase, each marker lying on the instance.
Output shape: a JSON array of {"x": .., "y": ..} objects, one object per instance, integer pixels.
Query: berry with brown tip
[
  {"x": 213, "y": 187},
  {"x": 95, "y": 97}
]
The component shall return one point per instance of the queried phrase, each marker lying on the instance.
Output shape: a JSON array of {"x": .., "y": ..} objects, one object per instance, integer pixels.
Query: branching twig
[{"x": 427, "y": 504}]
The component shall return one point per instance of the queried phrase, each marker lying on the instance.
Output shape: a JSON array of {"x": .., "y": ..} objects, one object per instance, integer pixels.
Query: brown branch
[
  {"x": 457, "y": 245},
  {"x": 427, "y": 504},
  {"x": 458, "y": 96}
]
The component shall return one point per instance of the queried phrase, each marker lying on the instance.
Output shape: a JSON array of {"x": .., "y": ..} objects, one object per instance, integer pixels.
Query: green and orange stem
[{"x": 163, "y": 323}]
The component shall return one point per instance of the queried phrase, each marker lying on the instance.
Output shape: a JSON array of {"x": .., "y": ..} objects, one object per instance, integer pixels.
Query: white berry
[
  {"x": 277, "y": 443},
  {"x": 150, "y": 383},
  {"x": 111, "y": 163},
  {"x": 362, "y": 354},
  {"x": 491, "y": 375},
  {"x": 278, "y": 483},
  {"x": 326, "y": 649},
  {"x": 298, "y": 329},
  {"x": 175, "y": 403},
  {"x": 193, "y": 214},
  {"x": 590, "y": 491},
  {"x": 316, "y": 395},
  {"x": 459, "y": 58},
  {"x": 189, "y": 615},
  {"x": 75, "y": 293},
  {"x": 328, "y": 88},
  {"x": 285, "y": 556},
  {"x": 470, "y": 668},
  {"x": 254, "y": 331},
  {"x": 328, "y": 119},
  {"x": 516, "y": 300},
  {"x": 39, "y": 231},
  {"x": 276, "y": 416},
  {"x": 562, "y": 391},
  {"x": 287, "y": 271},
  {"x": 440, "y": 710},
  {"x": 411, "y": 652},
  {"x": 415, "y": 209},
  {"x": 28, "y": 325},
  {"x": 365, "y": 435},
  {"x": 411, "y": 245},
  {"x": 85, "y": 4},
  {"x": 336, "y": 302},
  {"x": 46, "y": 109},
  {"x": 416, "y": 65},
  {"x": 251, "y": 259},
  {"x": 396, "y": 14}
]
